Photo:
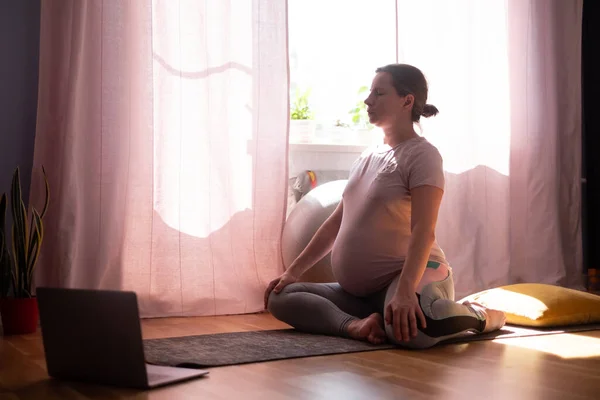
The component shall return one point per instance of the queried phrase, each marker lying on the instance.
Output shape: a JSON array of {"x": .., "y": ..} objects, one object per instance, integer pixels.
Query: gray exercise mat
[
  {"x": 221, "y": 349},
  {"x": 215, "y": 350}
]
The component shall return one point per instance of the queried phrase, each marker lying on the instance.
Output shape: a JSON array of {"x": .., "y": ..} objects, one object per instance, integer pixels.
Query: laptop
[{"x": 95, "y": 336}]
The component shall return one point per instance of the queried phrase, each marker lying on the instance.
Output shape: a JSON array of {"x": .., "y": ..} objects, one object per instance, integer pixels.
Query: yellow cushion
[{"x": 541, "y": 305}]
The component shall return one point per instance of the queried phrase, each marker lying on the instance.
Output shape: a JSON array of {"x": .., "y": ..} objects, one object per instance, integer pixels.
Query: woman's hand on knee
[
  {"x": 277, "y": 285},
  {"x": 402, "y": 312}
]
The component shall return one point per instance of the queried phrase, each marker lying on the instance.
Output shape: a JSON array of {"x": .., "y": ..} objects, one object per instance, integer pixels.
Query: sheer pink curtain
[
  {"x": 506, "y": 78},
  {"x": 163, "y": 128}
]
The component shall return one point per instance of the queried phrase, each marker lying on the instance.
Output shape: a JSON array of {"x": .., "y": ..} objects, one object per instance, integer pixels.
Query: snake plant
[
  {"x": 16, "y": 269},
  {"x": 5, "y": 270}
]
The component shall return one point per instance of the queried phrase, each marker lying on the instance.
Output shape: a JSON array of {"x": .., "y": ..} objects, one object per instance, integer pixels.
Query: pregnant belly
[{"x": 361, "y": 274}]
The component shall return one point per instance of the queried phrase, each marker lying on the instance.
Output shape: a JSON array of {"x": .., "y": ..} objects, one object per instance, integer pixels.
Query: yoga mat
[{"x": 215, "y": 350}]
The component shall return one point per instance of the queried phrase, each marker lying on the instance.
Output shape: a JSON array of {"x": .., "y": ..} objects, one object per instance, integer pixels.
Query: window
[{"x": 335, "y": 47}]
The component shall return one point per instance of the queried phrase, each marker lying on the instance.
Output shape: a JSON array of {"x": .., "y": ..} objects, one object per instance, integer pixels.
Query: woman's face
[{"x": 384, "y": 105}]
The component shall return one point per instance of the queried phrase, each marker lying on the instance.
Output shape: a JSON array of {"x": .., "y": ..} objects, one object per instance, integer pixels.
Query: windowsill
[{"x": 328, "y": 147}]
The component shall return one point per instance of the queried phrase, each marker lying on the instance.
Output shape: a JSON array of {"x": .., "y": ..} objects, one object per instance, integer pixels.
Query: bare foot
[
  {"x": 369, "y": 329},
  {"x": 495, "y": 319}
]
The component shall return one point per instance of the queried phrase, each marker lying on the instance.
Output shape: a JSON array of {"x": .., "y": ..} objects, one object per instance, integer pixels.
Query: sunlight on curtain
[
  {"x": 163, "y": 127},
  {"x": 203, "y": 119},
  {"x": 461, "y": 47},
  {"x": 505, "y": 76}
]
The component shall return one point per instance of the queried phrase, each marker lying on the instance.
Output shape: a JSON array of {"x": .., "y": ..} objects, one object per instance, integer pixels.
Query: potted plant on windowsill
[
  {"x": 360, "y": 119},
  {"x": 302, "y": 126},
  {"x": 18, "y": 304}
]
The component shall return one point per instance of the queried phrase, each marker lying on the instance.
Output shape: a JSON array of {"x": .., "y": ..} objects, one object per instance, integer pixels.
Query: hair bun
[{"x": 429, "y": 110}]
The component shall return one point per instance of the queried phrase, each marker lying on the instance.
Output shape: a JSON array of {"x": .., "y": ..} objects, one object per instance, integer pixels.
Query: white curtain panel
[
  {"x": 506, "y": 78},
  {"x": 163, "y": 126}
]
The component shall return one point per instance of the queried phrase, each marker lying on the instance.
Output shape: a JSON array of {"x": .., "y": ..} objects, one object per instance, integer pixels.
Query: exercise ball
[{"x": 303, "y": 222}]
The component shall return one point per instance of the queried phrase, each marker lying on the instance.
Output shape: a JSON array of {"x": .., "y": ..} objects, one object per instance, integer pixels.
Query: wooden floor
[{"x": 565, "y": 366}]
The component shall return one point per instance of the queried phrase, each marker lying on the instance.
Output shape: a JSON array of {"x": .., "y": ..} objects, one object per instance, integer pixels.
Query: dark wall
[
  {"x": 19, "y": 55},
  {"x": 591, "y": 133}
]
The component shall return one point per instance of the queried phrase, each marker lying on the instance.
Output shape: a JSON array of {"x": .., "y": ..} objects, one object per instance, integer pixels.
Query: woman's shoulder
[
  {"x": 424, "y": 165},
  {"x": 417, "y": 149},
  {"x": 422, "y": 144}
]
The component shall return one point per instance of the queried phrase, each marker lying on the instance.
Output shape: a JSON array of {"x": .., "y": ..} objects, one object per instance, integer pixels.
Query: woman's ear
[{"x": 409, "y": 101}]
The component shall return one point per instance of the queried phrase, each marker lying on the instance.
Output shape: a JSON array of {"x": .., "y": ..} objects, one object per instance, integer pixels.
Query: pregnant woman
[{"x": 393, "y": 280}]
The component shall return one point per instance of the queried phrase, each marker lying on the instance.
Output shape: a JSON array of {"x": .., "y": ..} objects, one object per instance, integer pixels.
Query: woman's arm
[
  {"x": 425, "y": 205},
  {"x": 403, "y": 310},
  {"x": 320, "y": 244}
]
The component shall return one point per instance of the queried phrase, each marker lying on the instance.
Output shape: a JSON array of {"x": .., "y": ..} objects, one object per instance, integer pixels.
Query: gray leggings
[{"x": 325, "y": 308}]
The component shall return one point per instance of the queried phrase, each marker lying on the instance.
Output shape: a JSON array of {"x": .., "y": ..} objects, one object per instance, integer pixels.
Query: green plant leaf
[
  {"x": 15, "y": 236},
  {"x": 7, "y": 272},
  {"x": 5, "y": 265},
  {"x": 44, "y": 209},
  {"x": 37, "y": 236},
  {"x": 25, "y": 243},
  {"x": 16, "y": 275},
  {"x": 299, "y": 108},
  {"x": 33, "y": 237},
  {"x": 20, "y": 236},
  {"x": 47, "y": 194}
]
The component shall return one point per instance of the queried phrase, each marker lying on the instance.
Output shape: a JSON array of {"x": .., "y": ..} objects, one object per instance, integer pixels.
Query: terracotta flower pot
[{"x": 19, "y": 316}]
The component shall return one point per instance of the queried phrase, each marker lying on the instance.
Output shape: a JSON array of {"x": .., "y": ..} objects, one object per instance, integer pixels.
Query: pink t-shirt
[{"x": 374, "y": 236}]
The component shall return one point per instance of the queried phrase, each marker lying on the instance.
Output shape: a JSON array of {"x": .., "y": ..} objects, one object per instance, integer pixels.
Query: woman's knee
[{"x": 277, "y": 301}]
